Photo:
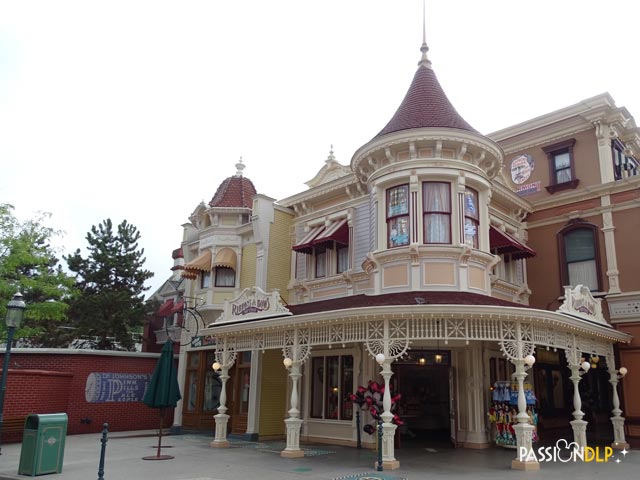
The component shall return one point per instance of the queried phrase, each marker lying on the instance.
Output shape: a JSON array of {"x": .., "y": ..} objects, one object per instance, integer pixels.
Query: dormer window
[
  {"x": 398, "y": 216},
  {"x": 436, "y": 200}
]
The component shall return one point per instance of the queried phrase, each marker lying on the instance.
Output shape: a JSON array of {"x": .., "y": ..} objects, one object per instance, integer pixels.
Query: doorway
[
  {"x": 201, "y": 396},
  {"x": 425, "y": 406}
]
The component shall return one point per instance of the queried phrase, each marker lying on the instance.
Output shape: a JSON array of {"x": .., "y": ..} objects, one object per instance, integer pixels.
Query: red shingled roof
[
  {"x": 425, "y": 105},
  {"x": 401, "y": 298},
  {"x": 236, "y": 191}
]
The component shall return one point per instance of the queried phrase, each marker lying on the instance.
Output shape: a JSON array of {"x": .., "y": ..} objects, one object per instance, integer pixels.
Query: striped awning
[
  {"x": 226, "y": 257},
  {"x": 337, "y": 232},
  {"x": 501, "y": 242},
  {"x": 306, "y": 244},
  {"x": 165, "y": 309},
  {"x": 200, "y": 264},
  {"x": 178, "y": 307}
]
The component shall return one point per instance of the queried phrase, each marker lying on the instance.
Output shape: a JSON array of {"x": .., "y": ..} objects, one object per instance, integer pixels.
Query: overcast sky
[{"x": 138, "y": 110}]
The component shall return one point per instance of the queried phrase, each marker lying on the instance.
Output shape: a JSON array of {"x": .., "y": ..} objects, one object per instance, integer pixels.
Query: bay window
[
  {"x": 225, "y": 277},
  {"x": 436, "y": 204},
  {"x": 321, "y": 262},
  {"x": 398, "y": 216},
  {"x": 205, "y": 279},
  {"x": 471, "y": 217},
  {"x": 342, "y": 254}
]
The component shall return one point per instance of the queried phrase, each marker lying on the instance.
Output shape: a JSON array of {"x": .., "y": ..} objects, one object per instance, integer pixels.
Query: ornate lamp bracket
[{"x": 516, "y": 350}]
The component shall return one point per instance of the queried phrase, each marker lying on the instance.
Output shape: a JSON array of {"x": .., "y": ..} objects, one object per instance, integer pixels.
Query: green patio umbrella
[{"x": 163, "y": 390}]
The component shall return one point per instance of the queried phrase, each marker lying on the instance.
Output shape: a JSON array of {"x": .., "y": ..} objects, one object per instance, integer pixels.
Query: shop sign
[
  {"x": 115, "y": 387},
  {"x": 528, "y": 189},
  {"x": 578, "y": 301},
  {"x": 253, "y": 303},
  {"x": 203, "y": 341}
]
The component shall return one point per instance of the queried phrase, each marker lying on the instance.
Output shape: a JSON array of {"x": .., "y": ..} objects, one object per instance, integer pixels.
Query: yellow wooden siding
[
  {"x": 273, "y": 394},
  {"x": 248, "y": 267},
  {"x": 279, "y": 264}
]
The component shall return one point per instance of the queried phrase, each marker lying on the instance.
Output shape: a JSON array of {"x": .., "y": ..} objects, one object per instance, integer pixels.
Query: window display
[{"x": 504, "y": 410}]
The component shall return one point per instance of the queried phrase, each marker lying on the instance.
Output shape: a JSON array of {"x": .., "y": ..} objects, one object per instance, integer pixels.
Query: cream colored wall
[
  {"x": 279, "y": 262},
  {"x": 395, "y": 276},
  {"x": 477, "y": 278},
  {"x": 273, "y": 400},
  {"x": 248, "y": 266},
  {"x": 439, "y": 273}
]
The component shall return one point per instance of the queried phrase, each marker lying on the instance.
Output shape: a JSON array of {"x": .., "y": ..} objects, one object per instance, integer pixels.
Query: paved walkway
[{"x": 196, "y": 460}]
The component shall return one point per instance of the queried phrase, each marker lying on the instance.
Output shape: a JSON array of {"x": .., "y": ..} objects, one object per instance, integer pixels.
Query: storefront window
[
  {"x": 192, "y": 381},
  {"x": 332, "y": 380},
  {"x": 243, "y": 371}
]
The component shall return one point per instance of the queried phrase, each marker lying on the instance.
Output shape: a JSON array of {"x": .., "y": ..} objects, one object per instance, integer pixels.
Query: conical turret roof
[{"x": 425, "y": 104}]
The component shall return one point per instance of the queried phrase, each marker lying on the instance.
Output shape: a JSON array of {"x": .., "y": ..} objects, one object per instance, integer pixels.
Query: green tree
[
  {"x": 110, "y": 280},
  {"x": 28, "y": 264}
]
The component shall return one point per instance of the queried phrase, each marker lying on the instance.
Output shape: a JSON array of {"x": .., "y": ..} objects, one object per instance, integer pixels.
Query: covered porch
[{"x": 387, "y": 333}]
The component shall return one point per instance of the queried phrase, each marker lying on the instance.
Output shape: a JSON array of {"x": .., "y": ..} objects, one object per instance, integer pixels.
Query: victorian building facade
[{"x": 439, "y": 262}]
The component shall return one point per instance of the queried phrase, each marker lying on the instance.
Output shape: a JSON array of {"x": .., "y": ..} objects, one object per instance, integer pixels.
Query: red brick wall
[{"x": 47, "y": 381}]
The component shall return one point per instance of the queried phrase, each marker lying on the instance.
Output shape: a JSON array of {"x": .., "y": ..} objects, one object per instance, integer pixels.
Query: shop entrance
[{"x": 426, "y": 403}]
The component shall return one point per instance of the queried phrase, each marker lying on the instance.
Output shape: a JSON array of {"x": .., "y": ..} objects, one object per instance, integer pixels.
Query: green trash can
[{"x": 43, "y": 444}]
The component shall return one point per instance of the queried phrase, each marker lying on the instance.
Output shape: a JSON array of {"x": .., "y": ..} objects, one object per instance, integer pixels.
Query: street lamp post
[{"x": 15, "y": 312}]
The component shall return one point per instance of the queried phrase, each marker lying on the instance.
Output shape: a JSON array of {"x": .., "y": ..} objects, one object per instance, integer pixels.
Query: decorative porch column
[
  {"x": 386, "y": 341},
  {"x": 295, "y": 354},
  {"x": 294, "y": 422},
  {"x": 520, "y": 353},
  {"x": 619, "y": 441},
  {"x": 224, "y": 361},
  {"x": 578, "y": 368},
  {"x": 389, "y": 461},
  {"x": 578, "y": 425}
]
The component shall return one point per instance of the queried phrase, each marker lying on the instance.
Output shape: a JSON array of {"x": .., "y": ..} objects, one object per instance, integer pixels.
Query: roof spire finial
[
  {"x": 239, "y": 168},
  {"x": 424, "y": 61},
  {"x": 331, "y": 157}
]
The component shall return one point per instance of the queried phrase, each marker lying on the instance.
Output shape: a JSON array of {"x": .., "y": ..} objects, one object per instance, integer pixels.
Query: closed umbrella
[{"x": 163, "y": 390}]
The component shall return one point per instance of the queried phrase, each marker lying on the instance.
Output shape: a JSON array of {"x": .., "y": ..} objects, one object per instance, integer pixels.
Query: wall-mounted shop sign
[
  {"x": 528, "y": 189},
  {"x": 521, "y": 168},
  {"x": 203, "y": 341},
  {"x": 579, "y": 301},
  {"x": 253, "y": 303},
  {"x": 115, "y": 387}
]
